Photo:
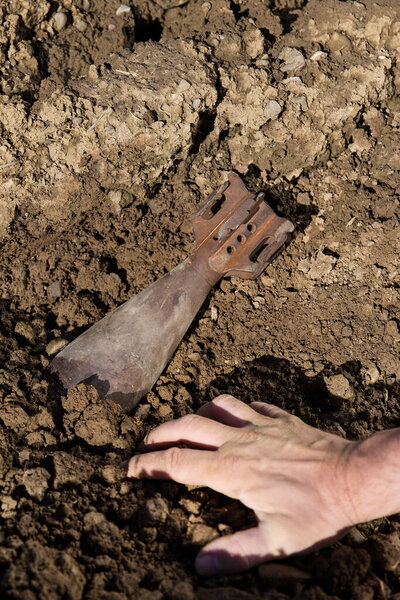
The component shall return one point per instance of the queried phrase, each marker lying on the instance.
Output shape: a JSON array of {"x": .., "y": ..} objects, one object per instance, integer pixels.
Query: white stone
[
  {"x": 317, "y": 55},
  {"x": 123, "y": 9},
  {"x": 60, "y": 21},
  {"x": 338, "y": 385},
  {"x": 272, "y": 109},
  {"x": 81, "y": 25},
  {"x": 293, "y": 60},
  {"x": 55, "y": 346},
  {"x": 295, "y": 79},
  {"x": 301, "y": 100}
]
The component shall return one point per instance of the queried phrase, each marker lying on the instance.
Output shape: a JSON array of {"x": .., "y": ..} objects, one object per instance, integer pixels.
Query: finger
[
  {"x": 190, "y": 429},
  {"x": 228, "y": 410},
  {"x": 233, "y": 553},
  {"x": 268, "y": 410},
  {"x": 192, "y": 467}
]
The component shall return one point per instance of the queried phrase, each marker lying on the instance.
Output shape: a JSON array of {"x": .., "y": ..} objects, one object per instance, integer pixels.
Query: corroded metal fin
[{"x": 237, "y": 232}]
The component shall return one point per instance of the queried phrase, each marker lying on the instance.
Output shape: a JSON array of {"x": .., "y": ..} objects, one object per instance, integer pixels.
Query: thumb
[{"x": 233, "y": 553}]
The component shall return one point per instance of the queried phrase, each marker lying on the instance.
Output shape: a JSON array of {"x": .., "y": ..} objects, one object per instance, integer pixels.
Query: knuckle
[
  {"x": 225, "y": 400},
  {"x": 189, "y": 420},
  {"x": 172, "y": 458}
]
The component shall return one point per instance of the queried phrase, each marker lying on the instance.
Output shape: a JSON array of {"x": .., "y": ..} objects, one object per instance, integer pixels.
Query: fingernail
[
  {"x": 207, "y": 564},
  {"x": 124, "y": 466}
]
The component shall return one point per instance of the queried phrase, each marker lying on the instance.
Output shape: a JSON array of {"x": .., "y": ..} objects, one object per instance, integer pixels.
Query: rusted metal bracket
[{"x": 237, "y": 232}]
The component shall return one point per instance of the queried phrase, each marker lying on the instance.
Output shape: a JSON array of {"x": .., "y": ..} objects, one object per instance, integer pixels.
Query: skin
[{"x": 306, "y": 487}]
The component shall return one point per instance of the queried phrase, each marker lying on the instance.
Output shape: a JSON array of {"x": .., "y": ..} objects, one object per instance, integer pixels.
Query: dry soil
[{"x": 113, "y": 128}]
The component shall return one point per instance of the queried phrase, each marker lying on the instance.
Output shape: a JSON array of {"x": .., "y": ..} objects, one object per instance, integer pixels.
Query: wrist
[{"x": 372, "y": 477}]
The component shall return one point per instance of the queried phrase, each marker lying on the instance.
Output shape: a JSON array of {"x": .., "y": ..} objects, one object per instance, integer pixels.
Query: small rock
[
  {"x": 123, "y": 9},
  {"x": 190, "y": 506},
  {"x": 155, "y": 511},
  {"x": 55, "y": 346},
  {"x": 293, "y": 60},
  {"x": 81, "y": 25},
  {"x": 294, "y": 79},
  {"x": 301, "y": 101},
  {"x": 93, "y": 518},
  {"x": 54, "y": 290},
  {"x": 25, "y": 331},
  {"x": 125, "y": 488},
  {"x": 36, "y": 482},
  {"x": 115, "y": 197},
  {"x": 200, "y": 534},
  {"x": 196, "y": 102},
  {"x": 347, "y": 331},
  {"x": 148, "y": 534},
  {"x": 214, "y": 313},
  {"x": 318, "y": 55},
  {"x": 111, "y": 474},
  {"x": 304, "y": 198},
  {"x": 60, "y": 21},
  {"x": 339, "y": 386},
  {"x": 371, "y": 375},
  {"x": 355, "y": 537},
  {"x": 272, "y": 109}
]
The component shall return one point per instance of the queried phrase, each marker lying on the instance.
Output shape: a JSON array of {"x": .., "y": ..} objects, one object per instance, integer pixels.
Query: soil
[{"x": 113, "y": 129}]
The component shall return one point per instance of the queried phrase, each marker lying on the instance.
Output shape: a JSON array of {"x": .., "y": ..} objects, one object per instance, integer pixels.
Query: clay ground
[{"x": 103, "y": 159}]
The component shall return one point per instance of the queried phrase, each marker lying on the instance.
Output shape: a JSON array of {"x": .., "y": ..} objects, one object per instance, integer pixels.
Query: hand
[{"x": 293, "y": 476}]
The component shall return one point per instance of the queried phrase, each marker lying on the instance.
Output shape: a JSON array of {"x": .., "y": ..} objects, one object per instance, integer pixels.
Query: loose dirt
[{"x": 113, "y": 129}]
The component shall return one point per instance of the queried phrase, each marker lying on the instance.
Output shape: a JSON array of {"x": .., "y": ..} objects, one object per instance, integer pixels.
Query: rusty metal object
[{"x": 237, "y": 233}]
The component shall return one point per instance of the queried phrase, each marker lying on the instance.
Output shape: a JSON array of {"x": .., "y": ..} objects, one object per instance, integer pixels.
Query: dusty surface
[{"x": 99, "y": 177}]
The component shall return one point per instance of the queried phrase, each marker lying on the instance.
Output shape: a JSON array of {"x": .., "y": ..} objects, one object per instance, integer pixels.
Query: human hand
[{"x": 292, "y": 475}]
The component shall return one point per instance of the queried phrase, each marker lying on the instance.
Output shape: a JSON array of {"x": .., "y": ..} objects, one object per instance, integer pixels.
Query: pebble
[
  {"x": 111, "y": 474},
  {"x": 60, "y": 21},
  {"x": 355, "y": 537},
  {"x": 293, "y": 60},
  {"x": 317, "y": 55},
  {"x": 371, "y": 375},
  {"x": 156, "y": 511},
  {"x": 294, "y": 79},
  {"x": 339, "y": 386},
  {"x": 81, "y": 25},
  {"x": 36, "y": 482},
  {"x": 272, "y": 109},
  {"x": 214, "y": 313},
  {"x": 301, "y": 101},
  {"x": 25, "y": 331},
  {"x": 123, "y": 9},
  {"x": 93, "y": 518},
  {"x": 201, "y": 534},
  {"x": 303, "y": 198},
  {"x": 196, "y": 103},
  {"x": 191, "y": 506},
  {"x": 54, "y": 290},
  {"x": 347, "y": 331},
  {"x": 55, "y": 346}
]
